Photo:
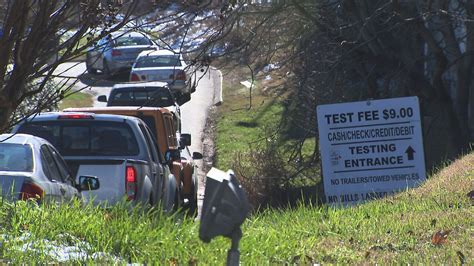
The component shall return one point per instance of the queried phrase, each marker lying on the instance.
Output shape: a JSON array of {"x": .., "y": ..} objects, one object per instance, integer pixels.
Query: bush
[{"x": 262, "y": 173}]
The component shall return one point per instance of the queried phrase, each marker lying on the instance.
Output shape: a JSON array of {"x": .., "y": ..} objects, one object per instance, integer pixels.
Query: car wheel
[
  {"x": 177, "y": 200},
  {"x": 151, "y": 202},
  {"x": 193, "y": 203},
  {"x": 169, "y": 196}
]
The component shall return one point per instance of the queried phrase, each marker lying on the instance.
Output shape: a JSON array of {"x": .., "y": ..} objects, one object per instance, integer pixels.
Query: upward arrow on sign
[{"x": 410, "y": 151}]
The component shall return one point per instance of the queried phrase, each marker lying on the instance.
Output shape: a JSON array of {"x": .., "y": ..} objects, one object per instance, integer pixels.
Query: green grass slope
[
  {"x": 399, "y": 229},
  {"x": 76, "y": 99}
]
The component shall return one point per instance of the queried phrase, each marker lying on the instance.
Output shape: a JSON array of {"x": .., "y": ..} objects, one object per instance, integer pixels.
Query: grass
[
  {"x": 241, "y": 131},
  {"x": 397, "y": 230},
  {"x": 243, "y": 123},
  {"x": 238, "y": 127},
  {"x": 76, "y": 99}
]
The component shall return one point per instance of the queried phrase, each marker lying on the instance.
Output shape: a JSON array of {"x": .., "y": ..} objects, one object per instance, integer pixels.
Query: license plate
[{"x": 157, "y": 77}]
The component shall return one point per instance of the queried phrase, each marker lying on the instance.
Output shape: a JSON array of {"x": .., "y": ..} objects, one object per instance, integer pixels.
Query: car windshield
[
  {"x": 137, "y": 97},
  {"x": 131, "y": 41},
  {"x": 150, "y": 122},
  {"x": 158, "y": 61},
  {"x": 16, "y": 157},
  {"x": 90, "y": 138}
]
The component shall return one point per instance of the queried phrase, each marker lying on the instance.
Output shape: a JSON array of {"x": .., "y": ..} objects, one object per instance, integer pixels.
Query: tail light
[
  {"x": 180, "y": 75},
  {"x": 75, "y": 116},
  {"x": 134, "y": 77},
  {"x": 131, "y": 182},
  {"x": 31, "y": 191},
  {"x": 116, "y": 53}
]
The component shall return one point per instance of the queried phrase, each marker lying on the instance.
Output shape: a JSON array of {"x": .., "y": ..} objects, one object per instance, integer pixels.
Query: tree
[
  {"x": 346, "y": 50},
  {"x": 36, "y": 40},
  {"x": 37, "y": 36},
  {"x": 380, "y": 49}
]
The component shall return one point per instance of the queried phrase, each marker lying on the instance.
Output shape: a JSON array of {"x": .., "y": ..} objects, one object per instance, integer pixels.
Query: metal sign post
[{"x": 224, "y": 209}]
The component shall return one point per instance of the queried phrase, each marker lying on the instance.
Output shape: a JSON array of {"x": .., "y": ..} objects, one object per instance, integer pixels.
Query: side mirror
[
  {"x": 182, "y": 99},
  {"x": 102, "y": 98},
  {"x": 88, "y": 183},
  {"x": 197, "y": 155},
  {"x": 184, "y": 140}
]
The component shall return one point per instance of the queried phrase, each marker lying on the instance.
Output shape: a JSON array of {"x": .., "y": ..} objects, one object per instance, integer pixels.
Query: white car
[
  {"x": 166, "y": 66},
  {"x": 31, "y": 168}
]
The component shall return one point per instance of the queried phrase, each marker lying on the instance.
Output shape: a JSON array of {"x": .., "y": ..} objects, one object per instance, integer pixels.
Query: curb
[{"x": 218, "y": 99}]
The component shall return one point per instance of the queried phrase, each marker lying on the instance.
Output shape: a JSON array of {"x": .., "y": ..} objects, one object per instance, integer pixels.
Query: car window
[
  {"x": 150, "y": 122},
  {"x": 75, "y": 137},
  {"x": 169, "y": 124},
  {"x": 45, "y": 165},
  {"x": 124, "y": 96},
  {"x": 61, "y": 165},
  {"x": 90, "y": 138},
  {"x": 131, "y": 41},
  {"x": 150, "y": 144},
  {"x": 138, "y": 97},
  {"x": 158, "y": 61},
  {"x": 155, "y": 145},
  {"x": 16, "y": 157},
  {"x": 160, "y": 98},
  {"x": 52, "y": 171}
]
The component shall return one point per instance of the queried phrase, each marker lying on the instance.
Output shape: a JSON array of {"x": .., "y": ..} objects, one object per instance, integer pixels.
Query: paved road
[{"x": 193, "y": 113}]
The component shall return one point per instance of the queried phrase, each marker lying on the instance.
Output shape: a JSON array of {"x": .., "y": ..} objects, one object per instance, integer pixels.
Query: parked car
[
  {"x": 166, "y": 66},
  {"x": 117, "y": 52},
  {"x": 152, "y": 94},
  {"x": 181, "y": 162},
  {"x": 119, "y": 149},
  {"x": 31, "y": 168}
]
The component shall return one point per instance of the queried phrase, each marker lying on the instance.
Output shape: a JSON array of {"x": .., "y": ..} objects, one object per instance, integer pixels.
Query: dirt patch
[
  {"x": 208, "y": 139},
  {"x": 208, "y": 148}
]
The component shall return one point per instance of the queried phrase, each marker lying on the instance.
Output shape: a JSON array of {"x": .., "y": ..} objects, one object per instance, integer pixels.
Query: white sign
[{"x": 370, "y": 149}]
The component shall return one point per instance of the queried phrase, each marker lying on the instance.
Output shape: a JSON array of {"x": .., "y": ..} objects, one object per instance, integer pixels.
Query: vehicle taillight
[
  {"x": 134, "y": 77},
  {"x": 180, "y": 75},
  {"x": 31, "y": 191},
  {"x": 131, "y": 182},
  {"x": 75, "y": 116},
  {"x": 116, "y": 53}
]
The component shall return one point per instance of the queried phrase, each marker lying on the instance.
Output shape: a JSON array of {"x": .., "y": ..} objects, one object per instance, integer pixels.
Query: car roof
[
  {"x": 140, "y": 84},
  {"x": 118, "y": 108},
  {"x": 21, "y": 139},
  {"x": 54, "y": 116},
  {"x": 128, "y": 34},
  {"x": 157, "y": 53}
]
